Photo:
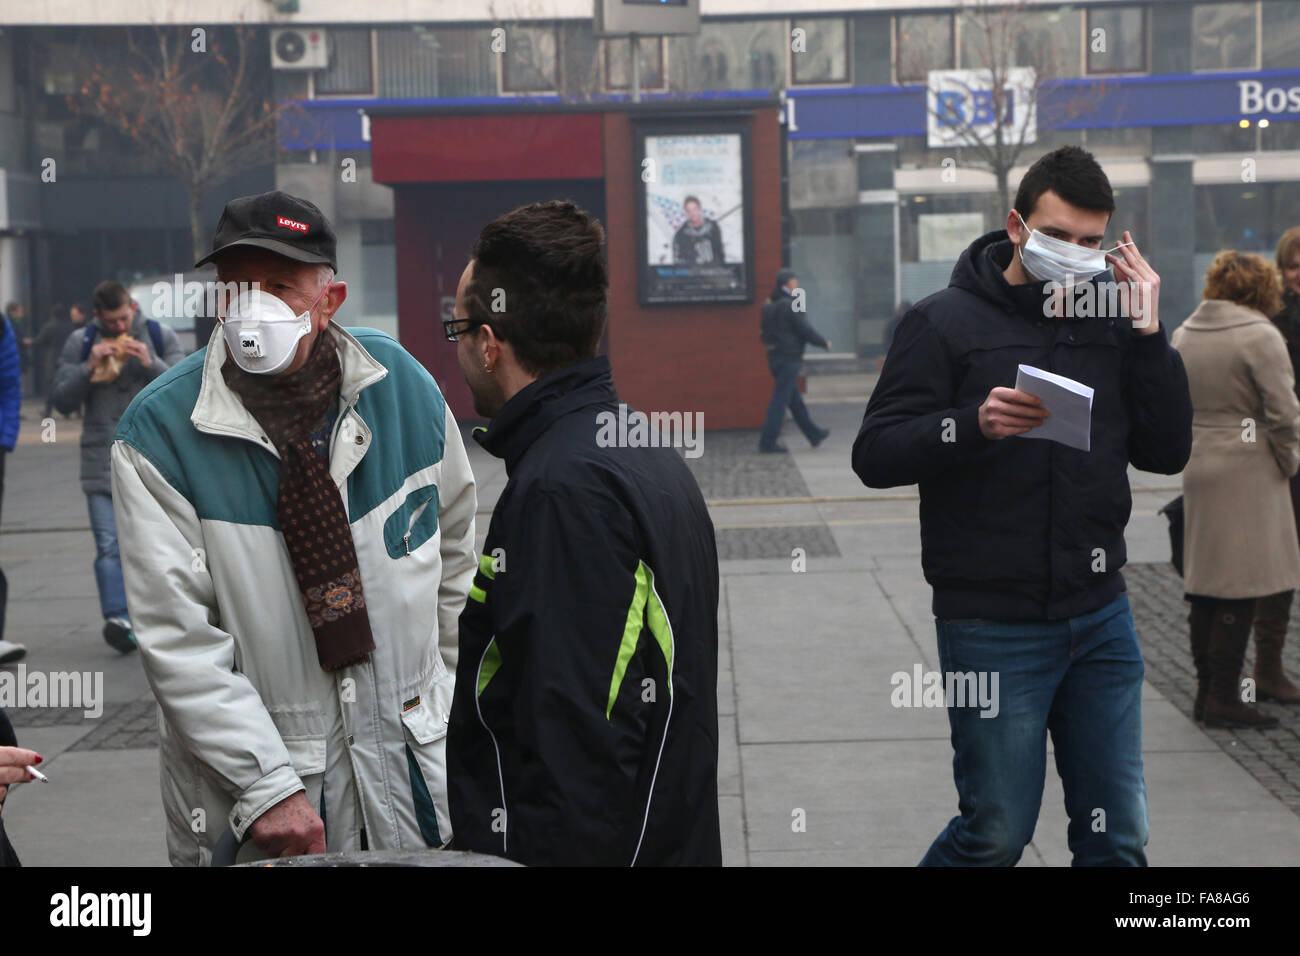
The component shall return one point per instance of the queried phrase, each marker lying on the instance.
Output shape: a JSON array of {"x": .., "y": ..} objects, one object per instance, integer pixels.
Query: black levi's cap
[{"x": 278, "y": 222}]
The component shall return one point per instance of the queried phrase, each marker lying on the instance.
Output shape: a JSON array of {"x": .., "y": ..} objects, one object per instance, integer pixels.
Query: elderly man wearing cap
[{"x": 296, "y": 515}]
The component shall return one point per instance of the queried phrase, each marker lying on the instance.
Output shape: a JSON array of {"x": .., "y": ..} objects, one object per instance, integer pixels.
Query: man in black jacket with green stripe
[{"x": 584, "y": 728}]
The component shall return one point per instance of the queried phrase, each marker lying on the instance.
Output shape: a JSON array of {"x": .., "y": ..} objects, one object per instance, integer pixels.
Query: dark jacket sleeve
[
  {"x": 803, "y": 328},
  {"x": 715, "y": 239},
  {"x": 1159, "y": 406},
  {"x": 11, "y": 388},
  {"x": 72, "y": 379},
  {"x": 562, "y": 610},
  {"x": 911, "y": 431}
]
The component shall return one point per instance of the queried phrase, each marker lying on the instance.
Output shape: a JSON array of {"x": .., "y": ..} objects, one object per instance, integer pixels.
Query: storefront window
[
  {"x": 823, "y": 172},
  {"x": 349, "y": 70},
  {"x": 618, "y": 63},
  {"x": 824, "y": 57},
  {"x": 1281, "y": 32},
  {"x": 1249, "y": 217},
  {"x": 1047, "y": 40},
  {"x": 1117, "y": 40},
  {"x": 531, "y": 58},
  {"x": 731, "y": 55},
  {"x": 1134, "y": 141},
  {"x": 1223, "y": 138},
  {"x": 922, "y": 43},
  {"x": 1223, "y": 36},
  {"x": 420, "y": 61},
  {"x": 823, "y": 252}
]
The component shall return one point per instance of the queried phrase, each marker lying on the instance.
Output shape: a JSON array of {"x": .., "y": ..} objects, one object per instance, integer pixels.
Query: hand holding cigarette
[{"x": 17, "y": 766}]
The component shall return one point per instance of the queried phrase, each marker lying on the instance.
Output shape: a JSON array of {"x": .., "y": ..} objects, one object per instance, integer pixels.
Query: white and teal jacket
[{"x": 247, "y": 715}]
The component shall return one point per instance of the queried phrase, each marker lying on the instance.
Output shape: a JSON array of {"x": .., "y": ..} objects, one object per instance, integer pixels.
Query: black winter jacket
[
  {"x": 1019, "y": 529},
  {"x": 785, "y": 332},
  {"x": 584, "y": 727}
]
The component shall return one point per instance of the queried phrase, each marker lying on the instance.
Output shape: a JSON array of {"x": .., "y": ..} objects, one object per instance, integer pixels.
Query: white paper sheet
[{"x": 1069, "y": 402}]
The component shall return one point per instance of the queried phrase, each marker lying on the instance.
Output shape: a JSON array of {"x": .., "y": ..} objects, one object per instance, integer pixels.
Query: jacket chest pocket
[{"x": 413, "y": 523}]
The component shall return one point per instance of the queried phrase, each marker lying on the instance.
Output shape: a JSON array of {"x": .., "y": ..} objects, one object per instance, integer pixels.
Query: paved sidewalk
[{"x": 807, "y": 730}]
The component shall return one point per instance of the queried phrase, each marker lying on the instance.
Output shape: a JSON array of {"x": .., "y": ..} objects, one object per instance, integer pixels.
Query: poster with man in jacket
[
  {"x": 296, "y": 512},
  {"x": 1023, "y": 539}
]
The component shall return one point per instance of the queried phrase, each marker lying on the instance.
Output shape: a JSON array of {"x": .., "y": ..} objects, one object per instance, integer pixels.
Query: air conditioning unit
[{"x": 299, "y": 48}]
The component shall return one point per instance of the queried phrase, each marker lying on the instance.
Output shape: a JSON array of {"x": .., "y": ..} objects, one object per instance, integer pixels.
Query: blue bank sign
[
  {"x": 1087, "y": 103},
  {"x": 1176, "y": 99}
]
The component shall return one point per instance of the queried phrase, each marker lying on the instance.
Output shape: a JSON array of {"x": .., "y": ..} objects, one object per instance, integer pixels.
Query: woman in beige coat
[{"x": 1240, "y": 537}]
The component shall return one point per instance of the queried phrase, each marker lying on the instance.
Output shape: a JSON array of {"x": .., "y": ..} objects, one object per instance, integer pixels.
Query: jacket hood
[
  {"x": 979, "y": 271},
  {"x": 534, "y": 408}
]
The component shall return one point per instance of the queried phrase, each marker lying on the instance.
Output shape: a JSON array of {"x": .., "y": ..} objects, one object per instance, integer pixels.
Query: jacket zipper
[
  {"x": 505, "y": 829},
  {"x": 415, "y": 516}
]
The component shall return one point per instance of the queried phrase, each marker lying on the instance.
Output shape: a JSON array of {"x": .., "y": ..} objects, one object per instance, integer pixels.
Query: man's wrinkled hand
[{"x": 290, "y": 828}]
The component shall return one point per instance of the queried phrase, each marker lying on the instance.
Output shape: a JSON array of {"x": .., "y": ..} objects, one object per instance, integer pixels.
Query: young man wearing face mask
[
  {"x": 1023, "y": 540},
  {"x": 296, "y": 512}
]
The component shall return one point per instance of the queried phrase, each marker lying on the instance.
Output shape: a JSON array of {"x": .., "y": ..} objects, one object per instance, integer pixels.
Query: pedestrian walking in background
[
  {"x": 297, "y": 519},
  {"x": 586, "y": 728},
  {"x": 1240, "y": 540},
  {"x": 1273, "y": 611},
  {"x": 16, "y": 313},
  {"x": 48, "y": 347},
  {"x": 102, "y": 367},
  {"x": 1023, "y": 541},
  {"x": 11, "y": 400},
  {"x": 785, "y": 332}
]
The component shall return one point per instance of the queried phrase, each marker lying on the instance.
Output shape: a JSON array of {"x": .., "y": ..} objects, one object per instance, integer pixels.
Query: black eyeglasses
[{"x": 453, "y": 328}]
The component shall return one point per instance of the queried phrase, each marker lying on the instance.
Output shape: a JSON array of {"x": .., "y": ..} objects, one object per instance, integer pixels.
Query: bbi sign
[{"x": 961, "y": 107}]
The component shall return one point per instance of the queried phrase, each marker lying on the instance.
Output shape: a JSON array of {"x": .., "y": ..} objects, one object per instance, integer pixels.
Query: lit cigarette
[{"x": 38, "y": 775}]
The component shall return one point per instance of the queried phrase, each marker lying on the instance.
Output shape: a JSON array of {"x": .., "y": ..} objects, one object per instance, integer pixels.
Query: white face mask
[
  {"x": 263, "y": 333},
  {"x": 1055, "y": 260}
]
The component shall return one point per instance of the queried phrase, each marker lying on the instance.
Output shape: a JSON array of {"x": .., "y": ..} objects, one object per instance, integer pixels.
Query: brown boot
[
  {"x": 1229, "y": 634},
  {"x": 1200, "y": 619},
  {"x": 1271, "y": 682}
]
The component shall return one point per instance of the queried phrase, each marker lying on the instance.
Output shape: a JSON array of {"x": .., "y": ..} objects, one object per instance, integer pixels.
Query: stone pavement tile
[
  {"x": 50, "y": 741},
  {"x": 1206, "y": 812},
  {"x": 731, "y": 818},
  {"x": 873, "y": 803},
  {"x": 824, "y": 678},
  {"x": 101, "y": 808},
  {"x": 728, "y": 758}
]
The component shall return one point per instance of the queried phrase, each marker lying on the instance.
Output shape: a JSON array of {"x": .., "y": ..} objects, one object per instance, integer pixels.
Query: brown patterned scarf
[{"x": 309, "y": 506}]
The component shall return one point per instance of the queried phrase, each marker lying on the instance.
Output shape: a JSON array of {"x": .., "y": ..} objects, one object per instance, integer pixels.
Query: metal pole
[{"x": 634, "y": 43}]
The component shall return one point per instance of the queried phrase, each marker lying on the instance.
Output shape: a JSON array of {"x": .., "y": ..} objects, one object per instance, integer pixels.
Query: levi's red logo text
[{"x": 293, "y": 224}]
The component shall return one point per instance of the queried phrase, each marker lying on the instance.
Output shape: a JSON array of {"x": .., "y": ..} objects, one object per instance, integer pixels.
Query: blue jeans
[
  {"x": 785, "y": 394},
  {"x": 108, "y": 564},
  {"x": 1080, "y": 679}
]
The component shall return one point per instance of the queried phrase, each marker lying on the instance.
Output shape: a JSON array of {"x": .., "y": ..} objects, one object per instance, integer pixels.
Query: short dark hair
[
  {"x": 694, "y": 199},
  {"x": 543, "y": 268},
  {"x": 109, "y": 295},
  {"x": 1071, "y": 173},
  {"x": 82, "y": 306}
]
